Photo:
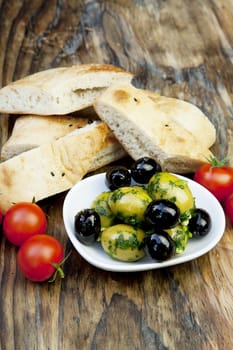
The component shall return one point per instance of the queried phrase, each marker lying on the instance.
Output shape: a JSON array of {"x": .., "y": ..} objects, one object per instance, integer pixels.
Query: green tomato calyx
[
  {"x": 217, "y": 163},
  {"x": 59, "y": 270}
]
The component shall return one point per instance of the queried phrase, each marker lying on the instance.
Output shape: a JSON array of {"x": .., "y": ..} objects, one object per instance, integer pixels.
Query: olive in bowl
[
  {"x": 143, "y": 169},
  {"x": 117, "y": 176},
  {"x": 162, "y": 213},
  {"x": 159, "y": 246},
  {"x": 200, "y": 223},
  {"x": 123, "y": 242},
  {"x": 128, "y": 204},
  {"x": 87, "y": 226}
]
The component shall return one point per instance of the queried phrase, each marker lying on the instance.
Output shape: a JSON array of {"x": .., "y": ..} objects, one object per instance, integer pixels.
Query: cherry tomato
[
  {"x": 217, "y": 178},
  {"x": 228, "y": 207},
  {"x": 39, "y": 257},
  {"x": 23, "y": 220}
]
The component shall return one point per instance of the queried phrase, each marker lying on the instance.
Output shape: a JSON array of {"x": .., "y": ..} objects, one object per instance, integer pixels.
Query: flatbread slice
[
  {"x": 187, "y": 115},
  {"x": 51, "y": 168},
  {"x": 33, "y": 131},
  {"x": 60, "y": 90},
  {"x": 144, "y": 131}
]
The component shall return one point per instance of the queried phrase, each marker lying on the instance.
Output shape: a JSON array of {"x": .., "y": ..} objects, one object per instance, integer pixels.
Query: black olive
[
  {"x": 160, "y": 246},
  {"x": 116, "y": 177},
  {"x": 87, "y": 226},
  {"x": 200, "y": 223},
  {"x": 143, "y": 169},
  {"x": 162, "y": 213}
]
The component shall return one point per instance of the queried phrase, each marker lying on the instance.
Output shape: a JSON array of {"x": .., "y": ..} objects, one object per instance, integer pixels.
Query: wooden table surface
[{"x": 179, "y": 48}]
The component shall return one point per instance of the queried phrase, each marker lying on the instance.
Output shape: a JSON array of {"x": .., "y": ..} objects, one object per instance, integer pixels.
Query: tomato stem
[
  {"x": 59, "y": 270},
  {"x": 217, "y": 163}
]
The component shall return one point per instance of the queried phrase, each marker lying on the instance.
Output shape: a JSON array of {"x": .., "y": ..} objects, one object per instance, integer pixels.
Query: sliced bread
[
  {"x": 32, "y": 131},
  {"x": 187, "y": 115},
  {"x": 143, "y": 130},
  {"x": 51, "y": 168},
  {"x": 60, "y": 90}
]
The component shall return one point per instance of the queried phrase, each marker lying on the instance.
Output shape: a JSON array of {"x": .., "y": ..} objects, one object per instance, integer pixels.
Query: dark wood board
[{"x": 181, "y": 49}]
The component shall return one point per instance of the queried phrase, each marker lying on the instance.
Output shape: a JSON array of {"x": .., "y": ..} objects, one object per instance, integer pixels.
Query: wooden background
[{"x": 179, "y": 48}]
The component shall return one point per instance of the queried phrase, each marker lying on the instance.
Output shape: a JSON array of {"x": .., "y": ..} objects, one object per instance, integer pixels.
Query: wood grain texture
[{"x": 178, "y": 48}]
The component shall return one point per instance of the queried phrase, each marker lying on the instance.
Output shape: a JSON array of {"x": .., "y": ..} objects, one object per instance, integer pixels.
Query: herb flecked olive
[
  {"x": 123, "y": 242},
  {"x": 180, "y": 235},
  {"x": 164, "y": 185},
  {"x": 100, "y": 205},
  {"x": 129, "y": 203}
]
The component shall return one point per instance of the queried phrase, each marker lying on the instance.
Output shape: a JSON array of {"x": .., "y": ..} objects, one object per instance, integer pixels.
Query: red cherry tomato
[
  {"x": 36, "y": 257},
  {"x": 217, "y": 178},
  {"x": 23, "y": 220},
  {"x": 228, "y": 207}
]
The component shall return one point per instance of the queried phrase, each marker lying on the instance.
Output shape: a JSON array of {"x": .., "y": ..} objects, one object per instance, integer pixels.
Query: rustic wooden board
[{"x": 178, "y": 48}]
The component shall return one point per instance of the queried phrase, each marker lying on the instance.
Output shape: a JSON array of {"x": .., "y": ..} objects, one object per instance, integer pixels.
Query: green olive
[
  {"x": 164, "y": 185},
  {"x": 123, "y": 242},
  {"x": 100, "y": 205},
  {"x": 129, "y": 203},
  {"x": 180, "y": 236}
]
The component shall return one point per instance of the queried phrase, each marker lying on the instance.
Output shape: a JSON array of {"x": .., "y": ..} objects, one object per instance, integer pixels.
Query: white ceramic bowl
[{"x": 84, "y": 192}]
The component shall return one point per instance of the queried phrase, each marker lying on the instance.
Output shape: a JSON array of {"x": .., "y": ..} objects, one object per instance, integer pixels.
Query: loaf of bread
[
  {"x": 53, "y": 167},
  {"x": 145, "y": 128},
  {"x": 60, "y": 90}
]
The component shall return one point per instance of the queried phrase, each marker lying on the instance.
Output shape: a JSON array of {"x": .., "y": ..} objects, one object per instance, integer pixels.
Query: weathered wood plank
[{"x": 177, "y": 48}]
